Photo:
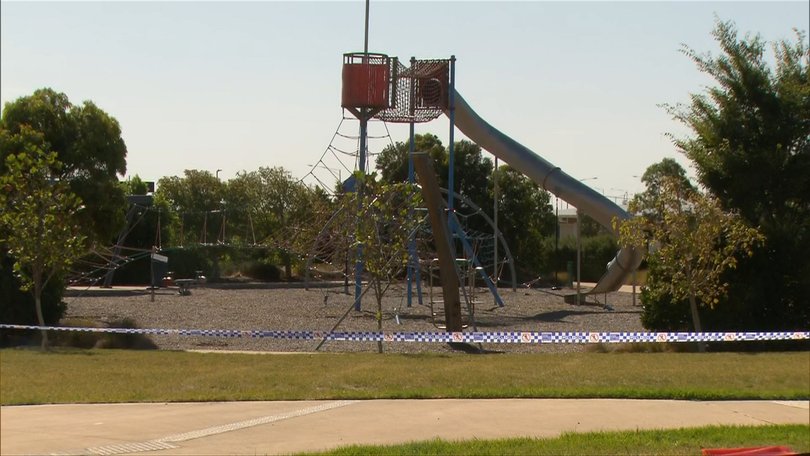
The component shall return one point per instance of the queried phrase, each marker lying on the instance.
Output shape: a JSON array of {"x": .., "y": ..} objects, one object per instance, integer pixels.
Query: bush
[
  {"x": 128, "y": 341},
  {"x": 17, "y": 307},
  {"x": 76, "y": 339},
  {"x": 263, "y": 271}
]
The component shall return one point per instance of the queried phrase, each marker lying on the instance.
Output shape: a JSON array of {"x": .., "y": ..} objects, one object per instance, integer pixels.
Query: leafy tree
[
  {"x": 88, "y": 144},
  {"x": 525, "y": 217},
  {"x": 694, "y": 242},
  {"x": 197, "y": 201},
  {"x": 276, "y": 202},
  {"x": 750, "y": 145},
  {"x": 392, "y": 163},
  {"x": 37, "y": 225},
  {"x": 135, "y": 186},
  {"x": 382, "y": 227},
  {"x": 654, "y": 178},
  {"x": 471, "y": 172}
]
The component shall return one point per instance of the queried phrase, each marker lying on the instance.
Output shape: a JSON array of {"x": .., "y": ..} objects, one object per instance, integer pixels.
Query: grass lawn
[
  {"x": 89, "y": 376},
  {"x": 658, "y": 442}
]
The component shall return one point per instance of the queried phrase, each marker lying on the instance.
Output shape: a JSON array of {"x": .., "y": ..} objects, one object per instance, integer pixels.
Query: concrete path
[{"x": 288, "y": 427}]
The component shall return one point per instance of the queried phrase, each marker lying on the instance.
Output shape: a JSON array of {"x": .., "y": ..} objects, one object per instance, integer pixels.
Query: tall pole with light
[{"x": 579, "y": 248}]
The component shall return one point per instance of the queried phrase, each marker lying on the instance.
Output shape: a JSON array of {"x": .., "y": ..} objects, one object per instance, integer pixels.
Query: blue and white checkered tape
[{"x": 496, "y": 337}]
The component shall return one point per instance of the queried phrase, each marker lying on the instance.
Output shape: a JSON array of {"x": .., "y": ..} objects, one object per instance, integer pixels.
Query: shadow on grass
[{"x": 560, "y": 315}]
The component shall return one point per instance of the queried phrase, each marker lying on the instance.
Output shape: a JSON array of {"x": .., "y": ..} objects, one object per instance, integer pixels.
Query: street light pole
[
  {"x": 579, "y": 248},
  {"x": 579, "y": 255}
]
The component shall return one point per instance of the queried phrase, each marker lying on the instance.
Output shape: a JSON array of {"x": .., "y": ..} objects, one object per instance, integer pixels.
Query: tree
[
  {"x": 471, "y": 172},
  {"x": 525, "y": 217},
  {"x": 750, "y": 145},
  {"x": 382, "y": 226},
  {"x": 88, "y": 144},
  {"x": 693, "y": 242},
  {"x": 392, "y": 163},
  {"x": 197, "y": 202},
  {"x": 277, "y": 202},
  {"x": 38, "y": 225},
  {"x": 654, "y": 178}
]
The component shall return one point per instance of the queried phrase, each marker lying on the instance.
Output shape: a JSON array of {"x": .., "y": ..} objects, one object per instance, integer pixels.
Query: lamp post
[
  {"x": 217, "y": 174},
  {"x": 579, "y": 247}
]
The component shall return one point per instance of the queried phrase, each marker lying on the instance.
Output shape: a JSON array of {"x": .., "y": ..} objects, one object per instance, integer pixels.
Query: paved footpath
[{"x": 292, "y": 426}]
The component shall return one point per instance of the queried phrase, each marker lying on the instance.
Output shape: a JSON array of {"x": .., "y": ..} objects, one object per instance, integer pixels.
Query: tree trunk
[
  {"x": 38, "y": 306},
  {"x": 287, "y": 260},
  {"x": 696, "y": 320},
  {"x": 379, "y": 315},
  {"x": 693, "y": 307}
]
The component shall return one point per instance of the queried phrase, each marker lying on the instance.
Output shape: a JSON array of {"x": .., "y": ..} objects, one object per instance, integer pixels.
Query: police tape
[{"x": 498, "y": 337}]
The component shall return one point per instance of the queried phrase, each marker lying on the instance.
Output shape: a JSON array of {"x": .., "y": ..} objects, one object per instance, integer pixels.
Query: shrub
[
  {"x": 262, "y": 271},
  {"x": 17, "y": 307},
  {"x": 129, "y": 341},
  {"x": 76, "y": 339}
]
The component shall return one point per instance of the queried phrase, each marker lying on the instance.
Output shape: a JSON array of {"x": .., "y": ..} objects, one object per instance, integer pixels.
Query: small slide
[{"x": 553, "y": 179}]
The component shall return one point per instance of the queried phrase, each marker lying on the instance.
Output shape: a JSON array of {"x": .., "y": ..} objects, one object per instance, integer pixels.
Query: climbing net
[
  {"x": 340, "y": 159},
  {"x": 420, "y": 93}
]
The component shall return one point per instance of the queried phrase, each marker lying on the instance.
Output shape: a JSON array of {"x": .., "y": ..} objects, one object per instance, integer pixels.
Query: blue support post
[
  {"x": 411, "y": 180},
  {"x": 358, "y": 265},
  {"x": 411, "y": 240}
]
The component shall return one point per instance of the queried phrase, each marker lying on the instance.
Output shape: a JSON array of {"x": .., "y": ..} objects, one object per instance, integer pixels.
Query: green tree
[
  {"x": 525, "y": 217},
  {"x": 471, "y": 172},
  {"x": 693, "y": 242},
  {"x": 750, "y": 145},
  {"x": 392, "y": 163},
  {"x": 382, "y": 227},
  {"x": 38, "y": 224},
  {"x": 135, "y": 186},
  {"x": 88, "y": 144},
  {"x": 278, "y": 205},
  {"x": 196, "y": 199},
  {"x": 654, "y": 178}
]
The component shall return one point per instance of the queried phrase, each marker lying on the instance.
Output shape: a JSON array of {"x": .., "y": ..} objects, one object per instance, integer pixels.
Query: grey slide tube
[{"x": 553, "y": 179}]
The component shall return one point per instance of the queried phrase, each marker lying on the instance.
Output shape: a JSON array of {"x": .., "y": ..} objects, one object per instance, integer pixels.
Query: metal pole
[
  {"x": 411, "y": 240},
  {"x": 579, "y": 255},
  {"x": 358, "y": 264},
  {"x": 556, "y": 239},
  {"x": 152, "y": 274},
  {"x": 365, "y": 42},
  {"x": 495, "y": 220}
]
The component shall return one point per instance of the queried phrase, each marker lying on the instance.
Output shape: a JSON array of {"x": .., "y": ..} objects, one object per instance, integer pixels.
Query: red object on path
[{"x": 752, "y": 451}]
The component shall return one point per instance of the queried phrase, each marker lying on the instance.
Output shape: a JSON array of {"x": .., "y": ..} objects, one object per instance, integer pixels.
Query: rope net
[{"x": 419, "y": 93}]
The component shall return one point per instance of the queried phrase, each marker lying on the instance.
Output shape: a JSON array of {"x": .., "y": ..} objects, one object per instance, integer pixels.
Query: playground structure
[{"x": 378, "y": 86}]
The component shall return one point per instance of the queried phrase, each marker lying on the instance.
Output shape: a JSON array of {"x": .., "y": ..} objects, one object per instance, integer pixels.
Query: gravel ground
[{"x": 319, "y": 309}]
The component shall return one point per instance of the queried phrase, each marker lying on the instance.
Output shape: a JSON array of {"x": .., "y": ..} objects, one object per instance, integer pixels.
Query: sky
[{"x": 231, "y": 86}]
